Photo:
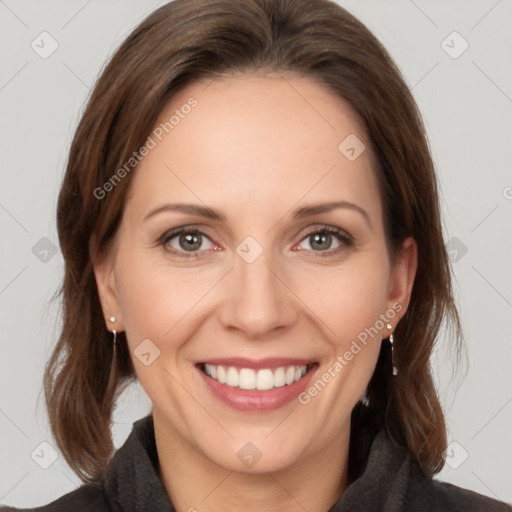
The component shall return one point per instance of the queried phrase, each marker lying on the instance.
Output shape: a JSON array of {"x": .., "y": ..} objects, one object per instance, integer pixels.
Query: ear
[
  {"x": 402, "y": 280},
  {"x": 103, "y": 265}
]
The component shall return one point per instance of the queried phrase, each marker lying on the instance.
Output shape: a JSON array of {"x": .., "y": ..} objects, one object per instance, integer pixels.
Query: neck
[{"x": 195, "y": 483}]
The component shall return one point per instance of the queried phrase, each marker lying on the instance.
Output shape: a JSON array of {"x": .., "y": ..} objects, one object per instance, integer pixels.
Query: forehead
[{"x": 250, "y": 142}]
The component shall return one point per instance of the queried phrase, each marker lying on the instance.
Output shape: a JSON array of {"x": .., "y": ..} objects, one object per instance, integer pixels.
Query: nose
[{"x": 258, "y": 302}]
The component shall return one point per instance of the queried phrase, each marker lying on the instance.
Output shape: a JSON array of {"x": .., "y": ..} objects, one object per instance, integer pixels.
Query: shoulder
[
  {"x": 87, "y": 498},
  {"x": 425, "y": 493},
  {"x": 130, "y": 482},
  {"x": 387, "y": 477}
]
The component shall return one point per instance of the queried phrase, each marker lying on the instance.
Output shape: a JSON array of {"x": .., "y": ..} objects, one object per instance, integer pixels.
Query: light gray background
[{"x": 467, "y": 104}]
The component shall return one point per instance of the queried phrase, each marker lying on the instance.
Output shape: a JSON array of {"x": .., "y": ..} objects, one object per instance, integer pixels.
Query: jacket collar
[{"x": 132, "y": 482}]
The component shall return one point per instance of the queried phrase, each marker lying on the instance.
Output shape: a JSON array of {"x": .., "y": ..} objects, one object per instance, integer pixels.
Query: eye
[
  {"x": 182, "y": 241},
  {"x": 327, "y": 239},
  {"x": 191, "y": 242}
]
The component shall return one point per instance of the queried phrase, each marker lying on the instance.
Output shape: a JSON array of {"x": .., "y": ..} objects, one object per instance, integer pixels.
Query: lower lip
[{"x": 257, "y": 401}]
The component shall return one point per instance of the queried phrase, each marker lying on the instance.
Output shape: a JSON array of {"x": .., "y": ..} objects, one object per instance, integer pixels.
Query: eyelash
[{"x": 343, "y": 237}]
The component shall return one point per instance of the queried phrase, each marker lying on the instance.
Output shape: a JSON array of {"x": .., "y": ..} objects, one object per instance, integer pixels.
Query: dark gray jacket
[{"x": 386, "y": 479}]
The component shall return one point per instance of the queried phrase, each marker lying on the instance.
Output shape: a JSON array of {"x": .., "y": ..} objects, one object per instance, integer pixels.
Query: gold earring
[{"x": 395, "y": 369}]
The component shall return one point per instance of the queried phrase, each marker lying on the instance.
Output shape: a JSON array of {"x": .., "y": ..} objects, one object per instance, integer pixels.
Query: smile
[
  {"x": 262, "y": 380},
  {"x": 256, "y": 386}
]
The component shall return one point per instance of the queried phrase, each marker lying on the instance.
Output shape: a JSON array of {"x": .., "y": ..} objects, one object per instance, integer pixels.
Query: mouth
[
  {"x": 263, "y": 379},
  {"x": 256, "y": 385}
]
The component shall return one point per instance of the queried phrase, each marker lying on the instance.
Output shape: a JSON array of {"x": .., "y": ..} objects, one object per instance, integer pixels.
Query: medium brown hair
[{"x": 187, "y": 40}]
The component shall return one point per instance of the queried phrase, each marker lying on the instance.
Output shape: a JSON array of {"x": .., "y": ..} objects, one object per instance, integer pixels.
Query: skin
[{"x": 256, "y": 148}]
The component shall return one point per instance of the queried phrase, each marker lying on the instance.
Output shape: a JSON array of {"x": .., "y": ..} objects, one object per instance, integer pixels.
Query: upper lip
[{"x": 256, "y": 364}]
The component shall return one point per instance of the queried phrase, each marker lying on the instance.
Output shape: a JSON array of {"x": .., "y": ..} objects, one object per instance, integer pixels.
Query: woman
[{"x": 250, "y": 227}]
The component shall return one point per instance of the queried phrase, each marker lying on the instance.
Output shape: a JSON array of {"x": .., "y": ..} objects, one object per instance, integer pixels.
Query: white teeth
[
  {"x": 232, "y": 377},
  {"x": 279, "y": 378},
  {"x": 265, "y": 380},
  {"x": 247, "y": 379},
  {"x": 211, "y": 370},
  {"x": 290, "y": 375},
  {"x": 262, "y": 380},
  {"x": 221, "y": 375}
]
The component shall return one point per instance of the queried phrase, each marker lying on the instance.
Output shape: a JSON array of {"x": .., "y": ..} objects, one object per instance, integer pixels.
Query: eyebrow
[
  {"x": 308, "y": 211},
  {"x": 189, "y": 208},
  {"x": 212, "y": 213}
]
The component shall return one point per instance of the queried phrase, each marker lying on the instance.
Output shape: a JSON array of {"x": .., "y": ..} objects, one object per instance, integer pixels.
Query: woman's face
[{"x": 252, "y": 248}]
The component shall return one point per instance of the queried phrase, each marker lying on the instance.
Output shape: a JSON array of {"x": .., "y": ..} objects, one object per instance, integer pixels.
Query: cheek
[
  {"x": 162, "y": 303},
  {"x": 347, "y": 299},
  {"x": 158, "y": 304}
]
